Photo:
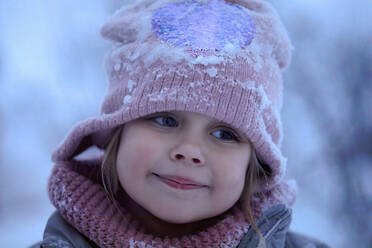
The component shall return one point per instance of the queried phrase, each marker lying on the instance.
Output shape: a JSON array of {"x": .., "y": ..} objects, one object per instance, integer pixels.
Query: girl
[{"x": 191, "y": 134}]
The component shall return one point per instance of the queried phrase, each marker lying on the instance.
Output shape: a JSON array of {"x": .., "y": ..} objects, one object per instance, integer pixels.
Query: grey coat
[{"x": 273, "y": 225}]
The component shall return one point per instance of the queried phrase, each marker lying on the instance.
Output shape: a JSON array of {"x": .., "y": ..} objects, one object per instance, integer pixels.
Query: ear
[
  {"x": 117, "y": 30},
  {"x": 271, "y": 28},
  {"x": 121, "y": 27}
]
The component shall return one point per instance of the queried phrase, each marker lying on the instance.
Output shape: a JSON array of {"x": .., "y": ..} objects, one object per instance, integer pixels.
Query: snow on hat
[{"x": 220, "y": 58}]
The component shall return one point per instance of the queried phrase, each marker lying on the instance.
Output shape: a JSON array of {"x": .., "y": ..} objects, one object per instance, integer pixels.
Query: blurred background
[{"x": 51, "y": 76}]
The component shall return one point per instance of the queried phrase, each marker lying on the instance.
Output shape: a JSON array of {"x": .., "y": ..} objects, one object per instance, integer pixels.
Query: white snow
[
  {"x": 127, "y": 99},
  {"x": 212, "y": 71},
  {"x": 131, "y": 84},
  {"x": 117, "y": 67}
]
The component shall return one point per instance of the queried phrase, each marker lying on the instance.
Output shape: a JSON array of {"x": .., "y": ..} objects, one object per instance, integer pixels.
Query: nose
[{"x": 189, "y": 154}]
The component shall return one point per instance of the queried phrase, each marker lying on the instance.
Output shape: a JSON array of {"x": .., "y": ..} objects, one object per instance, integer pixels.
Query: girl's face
[{"x": 182, "y": 166}]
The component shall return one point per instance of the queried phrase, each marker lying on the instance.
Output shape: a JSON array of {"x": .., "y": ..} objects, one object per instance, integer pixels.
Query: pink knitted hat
[{"x": 220, "y": 58}]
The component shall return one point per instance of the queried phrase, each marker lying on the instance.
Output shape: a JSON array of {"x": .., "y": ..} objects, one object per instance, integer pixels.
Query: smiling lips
[{"x": 180, "y": 182}]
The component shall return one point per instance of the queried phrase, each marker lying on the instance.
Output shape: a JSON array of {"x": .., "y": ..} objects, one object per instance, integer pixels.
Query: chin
[{"x": 177, "y": 217}]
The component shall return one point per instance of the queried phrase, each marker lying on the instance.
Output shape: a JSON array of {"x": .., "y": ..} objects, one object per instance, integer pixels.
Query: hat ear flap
[
  {"x": 117, "y": 30},
  {"x": 271, "y": 29},
  {"x": 122, "y": 27}
]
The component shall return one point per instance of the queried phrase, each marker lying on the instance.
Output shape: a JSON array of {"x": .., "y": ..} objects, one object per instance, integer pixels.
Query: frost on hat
[{"x": 220, "y": 58}]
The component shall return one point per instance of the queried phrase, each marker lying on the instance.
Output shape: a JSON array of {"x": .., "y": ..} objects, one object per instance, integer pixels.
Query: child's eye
[
  {"x": 225, "y": 135},
  {"x": 165, "y": 121}
]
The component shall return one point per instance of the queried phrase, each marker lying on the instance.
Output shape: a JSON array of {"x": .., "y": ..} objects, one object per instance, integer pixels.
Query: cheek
[
  {"x": 142, "y": 152},
  {"x": 228, "y": 180},
  {"x": 230, "y": 171},
  {"x": 232, "y": 177},
  {"x": 137, "y": 155}
]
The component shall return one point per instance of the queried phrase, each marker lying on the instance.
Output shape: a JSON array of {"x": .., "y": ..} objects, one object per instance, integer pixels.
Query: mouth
[{"x": 180, "y": 182}]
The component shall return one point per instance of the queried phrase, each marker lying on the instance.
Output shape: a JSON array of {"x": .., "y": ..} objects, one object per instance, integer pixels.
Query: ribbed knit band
[{"x": 83, "y": 203}]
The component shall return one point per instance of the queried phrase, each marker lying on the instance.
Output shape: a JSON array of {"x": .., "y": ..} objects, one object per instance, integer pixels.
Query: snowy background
[{"x": 51, "y": 76}]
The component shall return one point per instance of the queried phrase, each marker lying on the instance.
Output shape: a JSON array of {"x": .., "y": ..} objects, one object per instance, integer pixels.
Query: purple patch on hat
[{"x": 203, "y": 26}]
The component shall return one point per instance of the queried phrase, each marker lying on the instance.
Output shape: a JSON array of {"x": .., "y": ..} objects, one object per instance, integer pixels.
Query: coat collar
[{"x": 273, "y": 225}]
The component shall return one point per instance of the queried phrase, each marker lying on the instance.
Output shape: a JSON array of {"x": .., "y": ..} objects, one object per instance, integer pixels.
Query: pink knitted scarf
[{"x": 75, "y": 190}]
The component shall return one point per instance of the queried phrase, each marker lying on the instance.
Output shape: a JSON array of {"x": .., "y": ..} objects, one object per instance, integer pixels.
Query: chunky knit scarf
[{"x": 74, "y": 189}]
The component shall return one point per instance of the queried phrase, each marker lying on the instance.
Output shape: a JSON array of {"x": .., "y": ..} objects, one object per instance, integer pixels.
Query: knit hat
[{"x": 220, "y": 58}]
